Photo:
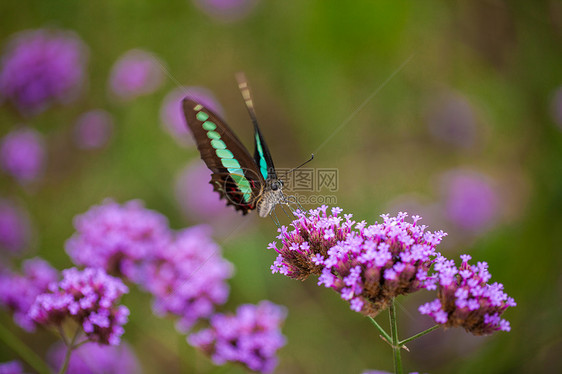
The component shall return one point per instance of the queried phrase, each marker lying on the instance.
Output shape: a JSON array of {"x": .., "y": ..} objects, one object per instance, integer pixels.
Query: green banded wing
[{"x": 235, "y": 174}]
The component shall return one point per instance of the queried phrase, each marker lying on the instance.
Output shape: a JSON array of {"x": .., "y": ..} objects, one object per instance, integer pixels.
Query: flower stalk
[
  {"x": 396, "y": 347},
  {"x": 69, "y": 348}
]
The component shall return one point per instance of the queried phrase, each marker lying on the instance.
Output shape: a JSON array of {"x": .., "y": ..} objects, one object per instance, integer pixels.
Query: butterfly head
[
  {"x": 276, "y": 185},
  {"x": 272, "y": 196}
]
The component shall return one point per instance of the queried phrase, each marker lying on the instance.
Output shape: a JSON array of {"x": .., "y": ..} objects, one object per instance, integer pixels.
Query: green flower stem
[
  {"x": 69, "y": 348},
  {"x": 394, "y": 335},
  {"x": 23, "y": 351},
  {"x": 381, "y": 330},
  {"x": 402, "y": 342}
]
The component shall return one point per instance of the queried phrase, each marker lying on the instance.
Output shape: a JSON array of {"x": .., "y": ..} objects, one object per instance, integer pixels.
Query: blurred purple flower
[
  {"x": 18, "y": 292},
  {"x": 451, "y": 119},
  {"x": 136, "y": 73},
  {"x": 556, "y": 107},
  {"x": 466, "y": 299},
  {"x": 89, "y": 297},
  {"x": 171, "y": 113},
  {"x": 188, "y": 278},
  {"x": 367, "y": 265},
  {"x": 92, "y": 358},
  {"x": 471, "y": 201},
  {"x": 41, "y": 67},
  {"x": 11, "y": 367},
  {"x": 15, "y": 227},
  {"x": 198, "y": 201},
  {"x": 250, "y": 337},
  {"x": 22, "y": 154},
  {"x": 226, "y": 10},
  {"x": 93, "y": 129},
  {"x": 118, "y": 238}
]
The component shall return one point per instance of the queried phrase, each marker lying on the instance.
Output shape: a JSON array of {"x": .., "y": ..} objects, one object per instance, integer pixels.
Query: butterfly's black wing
[
  {"x": 236, "y": 176},
  {"x": 262, "y": 156}
]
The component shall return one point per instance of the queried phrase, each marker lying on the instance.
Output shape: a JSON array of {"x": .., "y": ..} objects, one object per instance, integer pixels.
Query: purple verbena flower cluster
[
  {"x": 22, "y": 154},
  {"x": 93, "y": 358},
  {"x": 89, "y": 297},
  {"x": 251, "y": 337},
  {"x": 307, "y": 245},
  {"x": 118, "y": 237},
  {"x": 466, "y": 299},
  {"x": 371, "y": 265},
  {"x": 367, "y": 265},
  {"x": 188, "y": 277},
  {"x": 18, "y": 291},
  {"x": 40, "y": 67}
]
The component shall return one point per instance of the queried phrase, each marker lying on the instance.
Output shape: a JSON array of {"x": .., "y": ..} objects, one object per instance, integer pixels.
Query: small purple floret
[
  {"x": 250, "y": 337},
  {"x": 88, "y": 296}
]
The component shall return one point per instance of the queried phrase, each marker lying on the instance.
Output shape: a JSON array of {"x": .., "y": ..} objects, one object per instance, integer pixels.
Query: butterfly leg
[
  {"x": 273, "y": 216},
  {"x": 300, "y": 206},
  {"x": 284, "y": 211},
  {"x": 292, "y": 200}
]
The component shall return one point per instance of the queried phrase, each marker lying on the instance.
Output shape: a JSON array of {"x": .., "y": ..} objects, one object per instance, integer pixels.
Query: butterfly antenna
[
  {"x": 301, "y": 165},
  {"x": 247, "y": 96}
]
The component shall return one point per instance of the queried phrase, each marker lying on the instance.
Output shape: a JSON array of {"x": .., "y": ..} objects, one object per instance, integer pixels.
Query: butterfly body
[
  {"x": 269, "y": 200},
  {"x": 246, "y": 182}
]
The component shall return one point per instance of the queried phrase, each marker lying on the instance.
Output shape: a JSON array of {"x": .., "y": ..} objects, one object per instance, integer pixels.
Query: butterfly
[{"x": 245, "y": 182}]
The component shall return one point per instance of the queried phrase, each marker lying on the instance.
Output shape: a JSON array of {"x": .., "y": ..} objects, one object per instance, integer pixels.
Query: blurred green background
[{"x": 312, "y": 65}]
